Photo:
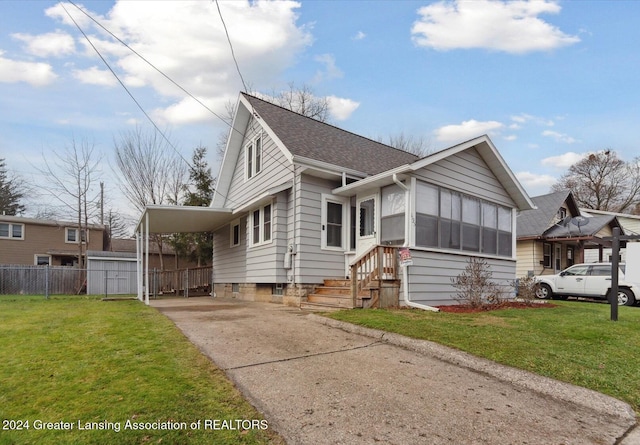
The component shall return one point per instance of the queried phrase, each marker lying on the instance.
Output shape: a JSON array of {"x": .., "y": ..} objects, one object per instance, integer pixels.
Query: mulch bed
[{"x": 462, "y": 309}]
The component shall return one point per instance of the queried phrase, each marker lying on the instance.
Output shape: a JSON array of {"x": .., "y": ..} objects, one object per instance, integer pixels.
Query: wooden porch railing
[{"x": 377, "y": 264}]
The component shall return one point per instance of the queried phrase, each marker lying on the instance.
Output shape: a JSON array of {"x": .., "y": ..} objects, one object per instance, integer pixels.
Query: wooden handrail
[{"x": 379, "y": 263}]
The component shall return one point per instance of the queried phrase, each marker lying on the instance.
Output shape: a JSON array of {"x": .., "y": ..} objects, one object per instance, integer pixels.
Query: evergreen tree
[{"x": 11, "y": 193}]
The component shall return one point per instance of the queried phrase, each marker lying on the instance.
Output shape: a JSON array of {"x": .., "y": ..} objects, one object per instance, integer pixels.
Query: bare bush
[
  {"x": 525, "y": 288},
  {"x": 475, "y": 287}
]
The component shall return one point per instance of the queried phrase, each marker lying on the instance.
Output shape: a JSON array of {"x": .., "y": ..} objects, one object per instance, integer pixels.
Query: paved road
[{"x": 318, "y": 384}]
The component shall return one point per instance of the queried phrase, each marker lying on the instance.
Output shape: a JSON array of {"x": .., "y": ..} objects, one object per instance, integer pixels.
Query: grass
[
  {"x": 79, "y": 359},
  {"x": 574, "y": 342}
]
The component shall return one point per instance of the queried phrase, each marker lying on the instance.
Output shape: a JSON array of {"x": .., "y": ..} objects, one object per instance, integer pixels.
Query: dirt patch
[{"x": 461, "y": 309}]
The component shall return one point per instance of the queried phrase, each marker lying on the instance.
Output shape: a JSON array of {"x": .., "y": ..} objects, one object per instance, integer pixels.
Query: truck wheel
[
  {"x": 625, "y": 297},
  {"x": 543, "y": 291}
]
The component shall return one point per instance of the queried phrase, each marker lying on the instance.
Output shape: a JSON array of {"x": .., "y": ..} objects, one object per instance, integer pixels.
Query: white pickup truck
[{"x": 592, "y": 280}]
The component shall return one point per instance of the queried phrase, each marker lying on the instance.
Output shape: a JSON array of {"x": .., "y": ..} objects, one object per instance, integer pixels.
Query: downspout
[{"x": 405, "y": 269}]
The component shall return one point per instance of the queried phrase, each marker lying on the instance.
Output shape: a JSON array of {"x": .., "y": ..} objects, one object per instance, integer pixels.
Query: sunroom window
[
  {"x": 453, "y": 220},
  {"x": 392, "y": 218}
]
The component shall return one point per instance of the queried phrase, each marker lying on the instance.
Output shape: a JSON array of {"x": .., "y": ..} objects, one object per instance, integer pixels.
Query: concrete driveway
[{"x": 318, "y": 381}]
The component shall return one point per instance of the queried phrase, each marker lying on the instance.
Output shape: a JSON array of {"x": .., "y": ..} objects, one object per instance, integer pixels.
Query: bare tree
[
  {"x": 300, "y": 100},
  {"x": 150, "y": 172},
  {"x": 72, "y": 176},
  {"x": 417, "y": 145},
  {"x": 603, "y": 181},
  {"x": 303, "y": 101}
]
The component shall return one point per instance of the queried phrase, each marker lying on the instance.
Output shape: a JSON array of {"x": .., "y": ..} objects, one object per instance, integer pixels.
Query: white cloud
[
  {"x": 95, "y": 76},
  {"x": 186, "y": 41},
  {"x": 341, "y": 108},
  {"x": 559, "y": 137},
  {"x": 466, "y": 130},
  {"x": 54, "y": 44},
  {"x": 512, "y": 27},
  {"x": 36, "y": 74},
  {"x": 563, "y": 161},
  {"x": 359, "y": 36},
  {"x": 511, "y": 137},
  {"x": 534, "y": 182},
  {"x": 331, "y": 71}
]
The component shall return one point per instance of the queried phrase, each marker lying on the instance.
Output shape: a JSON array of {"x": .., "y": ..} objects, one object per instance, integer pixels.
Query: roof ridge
[{"x": 330, "y": 125}]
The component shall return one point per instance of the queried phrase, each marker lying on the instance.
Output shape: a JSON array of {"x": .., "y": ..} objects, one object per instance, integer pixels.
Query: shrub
[
  {"x": 475, "y": 287},
  {"x": 525, "y": 288}
]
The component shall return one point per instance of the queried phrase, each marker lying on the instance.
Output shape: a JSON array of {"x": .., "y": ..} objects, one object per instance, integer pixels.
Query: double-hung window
[
  {"x": 71, "y": 236},
  {"x": 261, "y": 225},
  {"x": 253, "y": 157},
  {"x": 334, "y": 222},
  {"x": 12, "y": 231}
]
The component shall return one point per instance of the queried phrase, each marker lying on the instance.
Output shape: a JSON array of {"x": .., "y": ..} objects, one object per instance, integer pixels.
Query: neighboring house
[
  {"x": 28, "y": 241},
  {"x": 555, "y": 235},
  {"x": 630, "y": 225},
  {"x": 299, "y": 202},
  {"x": 169, "y": 258}
]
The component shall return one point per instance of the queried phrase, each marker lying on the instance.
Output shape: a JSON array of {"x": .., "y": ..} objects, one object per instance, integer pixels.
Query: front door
[{"x": 367, "y": 223}]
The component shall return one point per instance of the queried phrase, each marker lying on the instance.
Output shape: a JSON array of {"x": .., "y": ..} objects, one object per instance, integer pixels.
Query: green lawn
[
  {"x": 574, "y": 342},
  {"x": 80, "y": 360}
]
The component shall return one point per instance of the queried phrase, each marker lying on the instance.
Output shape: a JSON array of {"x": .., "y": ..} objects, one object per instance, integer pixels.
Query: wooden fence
[
  {"x": 185, "y": 282},
  {"x": 42, "y": 280}
]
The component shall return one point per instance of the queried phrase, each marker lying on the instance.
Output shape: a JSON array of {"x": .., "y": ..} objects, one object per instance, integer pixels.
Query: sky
[{"x": 548, "y": 81}]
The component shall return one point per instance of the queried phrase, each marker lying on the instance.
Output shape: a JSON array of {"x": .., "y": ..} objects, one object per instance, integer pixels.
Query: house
[
  {"x": 301, "y": 204},
  {"x": 170, "y": 260},
  {"x": 30, "y": 241},
  {"x": 630, "y": 225},
  {"x": 555, "y": 235}
]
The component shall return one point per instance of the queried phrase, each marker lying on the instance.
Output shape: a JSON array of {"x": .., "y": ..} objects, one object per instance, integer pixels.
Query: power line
[
  {"x": 252, "y": 110},
  {"x": 125, "y": 88},
  {"x": 233, "y": 54},
  {"x": 146, "y": 61}
]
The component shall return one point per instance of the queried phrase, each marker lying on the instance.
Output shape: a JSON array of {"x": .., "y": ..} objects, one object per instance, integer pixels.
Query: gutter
[{"x": 405, "y": 269}]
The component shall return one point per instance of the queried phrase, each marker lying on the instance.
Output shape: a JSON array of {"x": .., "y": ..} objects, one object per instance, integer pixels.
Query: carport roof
[{"x": 183, "y": 219}]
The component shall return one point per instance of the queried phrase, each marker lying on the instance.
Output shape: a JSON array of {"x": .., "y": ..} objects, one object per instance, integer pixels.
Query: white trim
[
  {"x": 10, "y": 231},
  {"x": 251, "y": 225},
  {"x": 78, "y": 235},
  {"x": 345, "y": 222},
  {"x": 233, "y": 224},
  {"x": 255, "y": 156},
  {"x": 35, "y": 258}
]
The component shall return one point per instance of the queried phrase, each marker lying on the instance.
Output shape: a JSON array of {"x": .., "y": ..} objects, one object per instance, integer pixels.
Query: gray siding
[
  {"x": 313, "y": 263},
  {"x": 265, "y": 263},
  {"x": 276, "y": 170},
  {"x": 229, "y": 263},
  {"x": 455, "y": 171},
  {"x": 431, "y": 274}
]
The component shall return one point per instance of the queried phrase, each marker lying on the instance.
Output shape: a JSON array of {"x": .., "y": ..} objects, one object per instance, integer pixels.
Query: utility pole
[{"x": 102, "y": 203}]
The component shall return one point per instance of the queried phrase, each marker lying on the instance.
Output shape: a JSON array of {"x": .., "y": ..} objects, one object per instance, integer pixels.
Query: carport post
[{"x": 615, "y": 253}]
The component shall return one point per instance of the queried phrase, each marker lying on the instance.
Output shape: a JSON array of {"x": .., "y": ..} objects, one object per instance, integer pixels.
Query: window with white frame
[
  {"x": 11, "y": 231},
  {"x": 392, "y": 210},
  {"x": 261, "y": 225},
  {"x": 253, "y": 157},
  {"x": 71, "y": 235},
  {"x": 42, "y": 260},
  {"x": 235, "y": 233},
  {"x": 453, "y": 220},
  {"x": 334, "y": 222}
]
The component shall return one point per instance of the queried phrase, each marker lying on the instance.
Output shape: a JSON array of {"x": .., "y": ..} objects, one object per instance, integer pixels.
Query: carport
[{"x": 158, "y": 219}]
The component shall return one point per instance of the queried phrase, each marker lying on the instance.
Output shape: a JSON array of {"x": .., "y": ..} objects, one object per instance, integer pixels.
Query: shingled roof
[
  {"x": 310, "y": 138},
  {"x": 535, "y": 222}
]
